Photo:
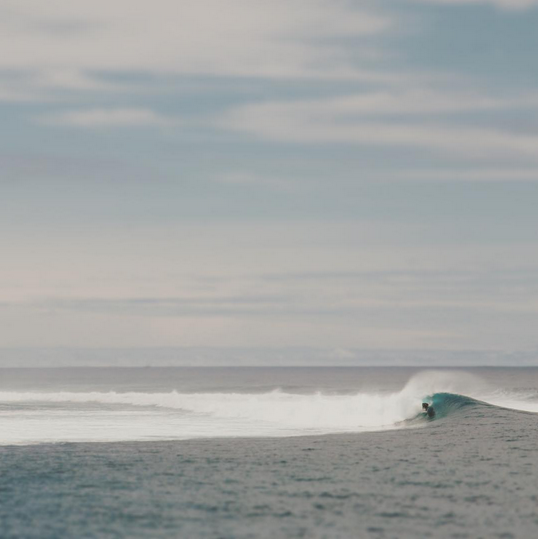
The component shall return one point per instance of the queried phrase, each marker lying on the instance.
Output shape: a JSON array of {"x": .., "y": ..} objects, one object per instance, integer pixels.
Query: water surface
[{"x": 268, "y": 452}]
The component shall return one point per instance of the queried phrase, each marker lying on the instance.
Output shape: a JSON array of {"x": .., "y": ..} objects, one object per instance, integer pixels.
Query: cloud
[
  {"x": 475, "y": 175},
  {"x": 108, "y": 118},
  {"x": 53, "y": 85},
  {"x": 504, "y": 4},
  {"x": 408, "y": 119},
  {"x": 215, "y": 305},
  {"x": 233, "y": 38},
  {"x": 324, "y": 294},
  {"x": 320, "y": 283},
  {"x": 385, "y": 309},
  {"x": 247, "y": 179},
  {"x": 403, "y": 101}
]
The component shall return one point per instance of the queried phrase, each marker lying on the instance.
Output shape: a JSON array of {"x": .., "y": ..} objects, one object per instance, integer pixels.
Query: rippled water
[{"x": 268, "y": 453}]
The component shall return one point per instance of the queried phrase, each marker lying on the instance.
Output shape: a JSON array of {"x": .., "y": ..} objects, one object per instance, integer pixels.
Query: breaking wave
[{"x": 33, "y": 417}]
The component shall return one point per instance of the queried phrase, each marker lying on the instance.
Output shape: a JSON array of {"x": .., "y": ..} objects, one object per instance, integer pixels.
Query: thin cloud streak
[
  {"x": 97, "y": 118},
  {"x": 365, "y": 120},
  {"x": 512, "y": 5}
]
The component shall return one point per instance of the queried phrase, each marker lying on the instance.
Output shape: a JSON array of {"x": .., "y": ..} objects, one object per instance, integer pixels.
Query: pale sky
[{"x": 334, "y": 174}]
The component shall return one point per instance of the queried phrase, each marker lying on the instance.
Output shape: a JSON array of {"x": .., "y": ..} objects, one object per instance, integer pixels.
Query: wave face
[
  {"x": 446, "y": 404},
  {"x": 67, "y": 416}
]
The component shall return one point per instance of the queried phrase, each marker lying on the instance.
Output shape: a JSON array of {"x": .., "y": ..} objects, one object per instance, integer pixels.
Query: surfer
[{"x": 428, "y": 410}]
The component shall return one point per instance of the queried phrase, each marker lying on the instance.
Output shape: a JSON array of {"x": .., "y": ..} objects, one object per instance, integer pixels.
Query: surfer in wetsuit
[{"x": 428, "y": 410}]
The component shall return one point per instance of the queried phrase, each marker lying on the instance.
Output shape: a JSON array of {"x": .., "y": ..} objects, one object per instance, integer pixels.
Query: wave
[
  {"x": 274, "y": 413},
  {"x": 446, "y": 404}
]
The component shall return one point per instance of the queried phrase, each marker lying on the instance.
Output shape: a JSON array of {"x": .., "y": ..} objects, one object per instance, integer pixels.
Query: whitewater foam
[
  {"x": 317, "y": 410},
  {"x": 35, "y": 416}
]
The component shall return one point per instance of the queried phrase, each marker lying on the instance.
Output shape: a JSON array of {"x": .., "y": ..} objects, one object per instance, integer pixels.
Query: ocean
[{"x": 268, "y": 452}]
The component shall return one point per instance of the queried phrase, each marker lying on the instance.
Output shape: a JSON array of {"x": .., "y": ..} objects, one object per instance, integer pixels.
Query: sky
[{"x": 254, "y": 174}]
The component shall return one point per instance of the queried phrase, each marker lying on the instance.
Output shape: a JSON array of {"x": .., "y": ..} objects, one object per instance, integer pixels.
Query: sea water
[{"x": 283, "y": 452}]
